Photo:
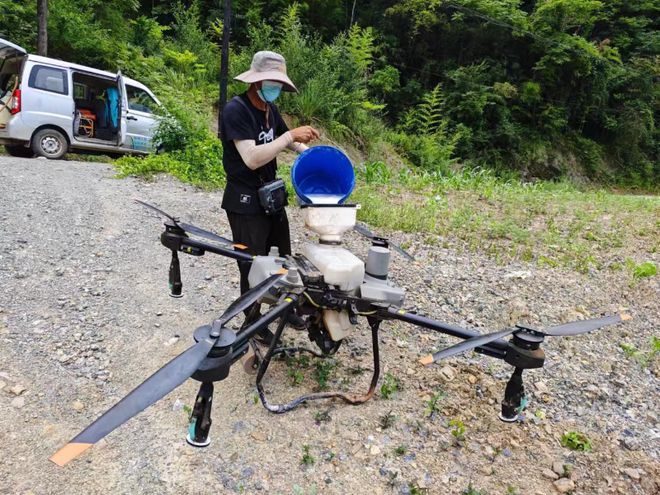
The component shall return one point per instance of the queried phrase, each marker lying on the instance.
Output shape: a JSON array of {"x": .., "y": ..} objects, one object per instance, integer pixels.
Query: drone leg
[
  {"x": 200, "y": 419},
  {"x": 514, "y": 397}
]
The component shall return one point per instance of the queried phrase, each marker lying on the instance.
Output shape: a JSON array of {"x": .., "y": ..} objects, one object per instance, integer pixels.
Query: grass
[
  {"x": 457, "y": 430},
  {"x": 433, "y": 404},
  {"x": 551, "y": 224},
  {"x": 390, "y": 386},
  {"x": 643, "y": 358},
  {"x": 307, "y": 458},
  {"x": 575, "y": 440}
]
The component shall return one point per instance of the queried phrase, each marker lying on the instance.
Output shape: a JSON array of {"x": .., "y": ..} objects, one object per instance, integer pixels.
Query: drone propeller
[
  {"x": 573, "y": 328},
  {"x": 161, "y": 383},
  {"x": 192, "y": 229},
  {"x": 361, "y": 229}
]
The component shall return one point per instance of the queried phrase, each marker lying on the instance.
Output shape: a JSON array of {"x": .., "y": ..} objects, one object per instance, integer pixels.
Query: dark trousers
[{"x": 259, "y": 233}]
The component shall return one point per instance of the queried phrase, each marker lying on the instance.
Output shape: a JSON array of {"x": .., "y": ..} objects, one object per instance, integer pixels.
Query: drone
[{"x": 331, "y": 289}]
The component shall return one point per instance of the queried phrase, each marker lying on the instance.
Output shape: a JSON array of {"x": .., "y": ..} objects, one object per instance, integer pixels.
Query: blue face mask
[{"x": 269, "y": 91}]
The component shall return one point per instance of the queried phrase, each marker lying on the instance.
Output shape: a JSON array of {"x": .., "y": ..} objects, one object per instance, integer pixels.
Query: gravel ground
[{"x": 85, "y": 317}]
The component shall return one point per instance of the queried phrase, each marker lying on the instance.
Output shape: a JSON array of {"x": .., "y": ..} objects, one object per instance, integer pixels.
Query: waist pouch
[{"x": 273, "y": 196}]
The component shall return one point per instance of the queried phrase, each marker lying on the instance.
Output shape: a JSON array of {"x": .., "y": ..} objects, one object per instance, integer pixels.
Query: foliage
[
  {"x": 457, "y": 430},
  {"x": 547, "y": 89},
  {"x": 307, "y": 458},
  {"x": 390, "y": 386},
  {"x": 575, "y": 440},
  {"x": 322, "y": 372},
  {"x": 643, "y": 270},
  {"x": 432, "y": 405}
]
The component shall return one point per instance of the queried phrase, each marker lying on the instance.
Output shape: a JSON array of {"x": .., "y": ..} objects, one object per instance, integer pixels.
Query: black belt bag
[{"x": 273, "y": 197}]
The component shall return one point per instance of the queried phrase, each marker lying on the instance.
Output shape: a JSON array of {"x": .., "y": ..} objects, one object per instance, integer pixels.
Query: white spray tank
[{"x": 323, "y": 178}]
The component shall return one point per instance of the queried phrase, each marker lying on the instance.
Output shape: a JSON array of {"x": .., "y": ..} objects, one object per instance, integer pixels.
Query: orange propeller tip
[
  {"x": 240, "y": 246},
  {"x": 625, "y": 317},
  {"x": 427, "y": 359},
  {"x": 69, "y": 452},
  {"x": 282, "y": 271}
]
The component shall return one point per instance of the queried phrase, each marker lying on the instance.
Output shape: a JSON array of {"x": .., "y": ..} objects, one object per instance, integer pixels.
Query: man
[{"x": 253, "y": 134}]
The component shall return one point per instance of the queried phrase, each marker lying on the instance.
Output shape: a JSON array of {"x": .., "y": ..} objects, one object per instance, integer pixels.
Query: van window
[
  {"x": 139, "y": 100},
  {"x": 49, "y": 79}
]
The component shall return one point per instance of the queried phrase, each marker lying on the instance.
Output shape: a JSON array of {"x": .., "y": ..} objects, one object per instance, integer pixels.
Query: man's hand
[{"x": 304, "y": 134}]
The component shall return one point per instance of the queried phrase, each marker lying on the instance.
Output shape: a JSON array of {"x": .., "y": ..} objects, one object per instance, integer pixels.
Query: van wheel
[
  {"x": 19, "y": 151},
  {"x": 49, "y": 143}
]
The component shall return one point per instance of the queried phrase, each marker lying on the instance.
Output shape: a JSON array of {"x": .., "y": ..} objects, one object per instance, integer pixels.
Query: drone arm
[
  {"x": 495, "y": 349},
  {"x": 189, "y": 245}
]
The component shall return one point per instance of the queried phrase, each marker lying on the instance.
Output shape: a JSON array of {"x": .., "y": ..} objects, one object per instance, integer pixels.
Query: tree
[{"x": 42, "y": 19}]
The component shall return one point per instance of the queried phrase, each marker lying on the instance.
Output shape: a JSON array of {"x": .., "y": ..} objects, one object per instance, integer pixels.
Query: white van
[{"x": 49, "y": 107}]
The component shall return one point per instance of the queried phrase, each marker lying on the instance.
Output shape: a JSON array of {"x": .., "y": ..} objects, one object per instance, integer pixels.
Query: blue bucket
[{"x": 323, "y": 175}]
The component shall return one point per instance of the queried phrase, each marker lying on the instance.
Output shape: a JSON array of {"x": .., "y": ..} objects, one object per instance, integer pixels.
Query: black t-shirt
[{"x": 242, "y": 183}]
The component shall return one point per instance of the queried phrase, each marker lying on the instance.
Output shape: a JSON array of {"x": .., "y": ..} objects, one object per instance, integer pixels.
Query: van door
[
  {"x": 123, "y": 105},
  {"x": 141, "y": 121},
  {"x": 11, "y": 63}
]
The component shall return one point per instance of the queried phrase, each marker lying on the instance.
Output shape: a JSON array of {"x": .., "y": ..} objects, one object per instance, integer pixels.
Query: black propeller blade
[
  {"x": 193, "y": 229},
  {"x": 466, "y": 345},
  {"x": 573, "y": 328},
  {"x": 584, "y": 326},
  {"x": 161, "y": 383},
  {"x": 361, "y": 229}
]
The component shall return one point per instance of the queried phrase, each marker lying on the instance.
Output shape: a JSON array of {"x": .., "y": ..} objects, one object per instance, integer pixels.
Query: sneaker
[{"x": 296, "y": 322}]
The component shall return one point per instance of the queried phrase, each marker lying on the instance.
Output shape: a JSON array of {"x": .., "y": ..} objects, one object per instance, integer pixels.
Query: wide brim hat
[{"x": 268, "y": 66}]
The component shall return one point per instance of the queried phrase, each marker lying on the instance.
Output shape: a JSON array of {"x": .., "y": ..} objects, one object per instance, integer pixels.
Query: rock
[
  {"x": 550, "y": 474},
  {"x": 2, "y": 384},
  {"x": 18, "y": 402},
  {"x": 558, "y": 467},
  {"x": 374, "y": 450},
  {"x": 564, "y": 485},
  {"x": 447, "y": 373},
  {"x": 634, "y": 474},
  {"x": 259, "y": 436},
  {"x": 77, "y": 406},
  {"x": 17, "y": 389},
  {"x": 172, "y": 341}
]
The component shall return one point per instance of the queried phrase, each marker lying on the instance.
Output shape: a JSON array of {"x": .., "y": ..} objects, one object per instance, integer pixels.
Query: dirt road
[{"x": 85, "y": 316}]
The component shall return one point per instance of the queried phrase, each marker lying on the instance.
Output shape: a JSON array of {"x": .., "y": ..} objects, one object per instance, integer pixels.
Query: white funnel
[{"x": 330, "y": 222}]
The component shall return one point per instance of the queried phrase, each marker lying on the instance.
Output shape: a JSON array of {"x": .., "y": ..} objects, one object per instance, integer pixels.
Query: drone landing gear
[
  {"x": 515, "y": 399},
  {"x": 351, "y": 399},
  {"x": 214, "y": 368},
  {"x": 200, "y": 419},
  {"x": 524, "y": 352}
]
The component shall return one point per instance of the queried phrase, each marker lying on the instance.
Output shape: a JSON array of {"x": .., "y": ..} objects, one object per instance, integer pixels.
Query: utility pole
[
  {"x": 224, "y": 62},
  {"x": 42, "y": 30}
]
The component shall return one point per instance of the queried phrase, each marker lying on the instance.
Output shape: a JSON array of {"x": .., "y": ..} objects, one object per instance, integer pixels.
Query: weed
[
  {"x": 414, "y": 489},
  {"x": 470, "y": 490},
  {"x": 646, "y": 269},
  {"x": 307, "y": 458},
  {"x": 322, "y": 372},
  {"x": 512, "y": 490},
  {"x": 400, "y": 450},
  {"x": 457, "y": 430},
  {"x": 390, "y": 385},
  {"x": 386, "y": 421},
  {"x": 295, "y": 367},
  {"x": 188, "y": 410},
  {"x": 322, "y": 417},
  {"x": 575, "y": 440},
  {"x": 296, "y": 376},
  {"x": 643, "y": 358},
  {"x": 432, "y": 404}
]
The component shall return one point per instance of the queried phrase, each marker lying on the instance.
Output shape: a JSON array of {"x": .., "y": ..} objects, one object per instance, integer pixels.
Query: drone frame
[{"x": 219, "y": 347}]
